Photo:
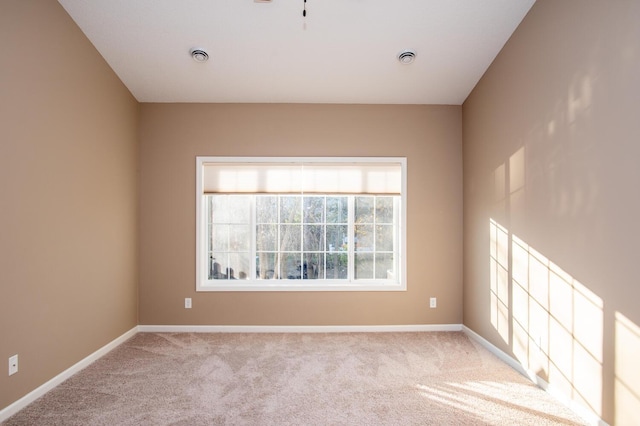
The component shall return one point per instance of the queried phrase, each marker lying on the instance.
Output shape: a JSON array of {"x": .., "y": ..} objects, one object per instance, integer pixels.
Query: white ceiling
[{"x": 344, "y": 51}]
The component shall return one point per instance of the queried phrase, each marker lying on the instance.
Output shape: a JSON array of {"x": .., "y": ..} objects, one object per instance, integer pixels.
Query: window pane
[
  {"x": 266, "y": 209},
  {"x": 384, "y": 209},
  {"x": 290, "y": 238},
  {"x": 208, "y": 204},
  {"x": 364, "y": 265},
  {"x": 290, "y": 267},
  {"x": 384, "y": 238},
  {"x": 337, "y": 266},
  {"x": 219, "y": 238},
  {"x": 313, "y": 238},
  {"x": 313, "y": 209},
  {"x": 313, "y": 267},
  {"x": 266, "y": 266},
  {"x": 238, "y": 266},
  {"x": 299, "y": 237},
  {"x": 364, "y": 237},
  {"x": 239, "y": 209},
  {"x": 218, "y": 264},
  {"x": 267, "y": 237},
  {"x": 218, "y": 205},
  {"x": 239, "y": 238},
  {"x": 337, "y": 210},
  {"x": 337, "y": 237},
  {"x": 290, "y": 209},
  {"x": 384, "y": 266},
  {"x": 364, "y": 209}
]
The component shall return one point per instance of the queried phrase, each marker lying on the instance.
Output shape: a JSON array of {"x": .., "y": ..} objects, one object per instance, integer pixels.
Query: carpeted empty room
[
  {"x": 427, "y": 378},
  {"x": 319, "y": 212}
]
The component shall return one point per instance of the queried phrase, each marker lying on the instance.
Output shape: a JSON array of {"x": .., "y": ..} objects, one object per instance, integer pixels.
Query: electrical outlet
[
  {"x": 433, "y": 302},
  {"x": 187, "y": 303},
  {"x": 13, "y": 365}
]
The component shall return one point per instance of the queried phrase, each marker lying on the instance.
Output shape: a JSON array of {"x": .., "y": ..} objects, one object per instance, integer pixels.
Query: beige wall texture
[
  {"x": 68, "y": 191},
  {"x": 548, "y": 141},
  {"x": 551, "y": 184},
  {"x": 172, "y": 135}
]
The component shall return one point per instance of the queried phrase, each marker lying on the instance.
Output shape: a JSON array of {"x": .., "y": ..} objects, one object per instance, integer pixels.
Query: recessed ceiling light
[
  {"x": 406, "y": 56},
  {"x": 199, "y": 55}
]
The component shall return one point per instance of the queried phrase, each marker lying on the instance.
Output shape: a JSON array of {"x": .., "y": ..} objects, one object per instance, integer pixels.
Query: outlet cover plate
[{"x": 13, "y": 365}]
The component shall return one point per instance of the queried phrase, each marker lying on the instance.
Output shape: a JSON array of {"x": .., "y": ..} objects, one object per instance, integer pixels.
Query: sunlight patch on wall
[
  {"x": 627, "y": 373},
  {"x": 499, "y": 278},
  {"x": 517, "y": 170},
  {"x": 556, "y": 322},
  {"x": 580, "y": 98},
  {"x": 499, "y": 183}
]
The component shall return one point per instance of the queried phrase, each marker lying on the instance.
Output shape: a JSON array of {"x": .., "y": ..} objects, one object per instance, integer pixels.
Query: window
[{"x": 300, "y": 224}]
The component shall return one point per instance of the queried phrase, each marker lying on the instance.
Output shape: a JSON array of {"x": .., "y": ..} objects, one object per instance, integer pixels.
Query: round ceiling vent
[
  {"x": 406, "y": 56},
  {"x": 199, "y": 55}
]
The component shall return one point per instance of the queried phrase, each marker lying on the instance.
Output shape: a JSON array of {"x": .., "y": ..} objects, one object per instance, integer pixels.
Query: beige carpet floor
[{"x": 438, "y": 378}]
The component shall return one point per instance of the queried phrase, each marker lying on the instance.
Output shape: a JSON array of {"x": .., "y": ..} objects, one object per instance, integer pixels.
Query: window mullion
[
  {"x": 396, "y": 237},
  {"x": 254, "y": 239},
  {"x": 278, "y": 259},
  {"x": 325, "y": 254},
  {"x": 375, "y": 234},
  {"x": 227, "y": 269},
  {"x": 205, "y": 217},
  {"x": 351, "y": 238},
  {"x": 301, "y": 236}
]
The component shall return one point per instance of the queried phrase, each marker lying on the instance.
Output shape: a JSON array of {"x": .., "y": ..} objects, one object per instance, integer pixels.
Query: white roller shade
[{"x": 368, "y": 177}]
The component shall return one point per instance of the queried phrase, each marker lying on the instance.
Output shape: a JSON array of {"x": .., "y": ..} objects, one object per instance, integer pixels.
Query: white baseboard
[
  {"x": 296, "y": 328},
  {"x": 589, "y": 416},
  {"x": 12, "y": 409},
  {"x": 497, "y": 352}
]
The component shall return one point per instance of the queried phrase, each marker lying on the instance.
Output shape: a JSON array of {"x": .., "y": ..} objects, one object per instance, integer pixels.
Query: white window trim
[{"x": 202, "y": 283}]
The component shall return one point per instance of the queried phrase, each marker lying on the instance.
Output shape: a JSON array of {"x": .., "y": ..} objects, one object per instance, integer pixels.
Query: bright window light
[{"x": 300, "y": 224}]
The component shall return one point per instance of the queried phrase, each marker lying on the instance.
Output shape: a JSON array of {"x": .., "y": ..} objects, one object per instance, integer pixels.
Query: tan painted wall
[
  {"x": 551, "y": 148},
  {"x": 68, "y": 156},
  {"x": 172, "y": 135}
]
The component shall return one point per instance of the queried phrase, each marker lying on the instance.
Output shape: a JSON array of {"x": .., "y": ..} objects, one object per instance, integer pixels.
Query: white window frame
[{"x": 203, "y": 284}]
